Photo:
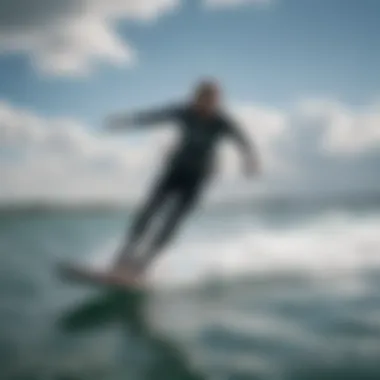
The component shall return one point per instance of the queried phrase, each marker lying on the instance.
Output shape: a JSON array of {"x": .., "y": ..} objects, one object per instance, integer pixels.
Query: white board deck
[{"x": 78, "y": 274}]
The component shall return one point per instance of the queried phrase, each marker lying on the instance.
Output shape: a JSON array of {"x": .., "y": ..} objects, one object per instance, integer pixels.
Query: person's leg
[
  {"x": 142, "y": 221},
  {"x": 180, "y": 209}
]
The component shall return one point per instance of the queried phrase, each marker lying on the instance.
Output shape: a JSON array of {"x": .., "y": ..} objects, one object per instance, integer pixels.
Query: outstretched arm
[
  {"x": 247, "y": 148},
  {"x": 144, "y": 118}
]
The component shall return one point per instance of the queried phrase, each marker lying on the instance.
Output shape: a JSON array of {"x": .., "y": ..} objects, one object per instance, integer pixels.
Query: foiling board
[{"x": 90, "y": 276}]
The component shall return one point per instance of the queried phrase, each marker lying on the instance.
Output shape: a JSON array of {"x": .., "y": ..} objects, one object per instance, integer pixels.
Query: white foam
[
  {"x": 324, "y": 246},
  {"x": 330, "y": 244}
]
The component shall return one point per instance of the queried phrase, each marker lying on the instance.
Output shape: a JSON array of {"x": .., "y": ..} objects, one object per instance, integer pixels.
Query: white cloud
[
  {"x": 332, "y": 147},
  {"x": 235, "y": 3},
  {"x": 346, "y": 131},
  {"x": 325, "y": 143},
  {"x": 69, "y": 36},
  {"x": 59, "y": 158}
]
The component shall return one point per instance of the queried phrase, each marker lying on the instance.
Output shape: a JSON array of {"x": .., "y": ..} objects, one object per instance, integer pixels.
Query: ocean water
[{"x": 274, "y": 292}]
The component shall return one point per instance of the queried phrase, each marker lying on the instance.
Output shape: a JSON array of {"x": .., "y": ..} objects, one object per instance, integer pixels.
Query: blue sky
[
  {"x": 273, "y": 54},
  {"x": 268, "y": 54}
]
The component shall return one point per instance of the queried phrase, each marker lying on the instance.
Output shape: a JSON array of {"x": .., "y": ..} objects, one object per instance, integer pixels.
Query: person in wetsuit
[{"x": 203, "y": 125}]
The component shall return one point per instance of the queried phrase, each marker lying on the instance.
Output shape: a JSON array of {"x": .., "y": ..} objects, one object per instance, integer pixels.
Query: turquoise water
[{"x": 244, "y": 293}]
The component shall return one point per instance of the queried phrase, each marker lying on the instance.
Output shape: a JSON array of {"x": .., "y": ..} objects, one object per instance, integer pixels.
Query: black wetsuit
[{"x": 188, "y": 168}]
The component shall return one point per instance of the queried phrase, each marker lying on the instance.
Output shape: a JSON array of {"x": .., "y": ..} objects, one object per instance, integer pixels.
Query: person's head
[{"x": 207, "y": 96}]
